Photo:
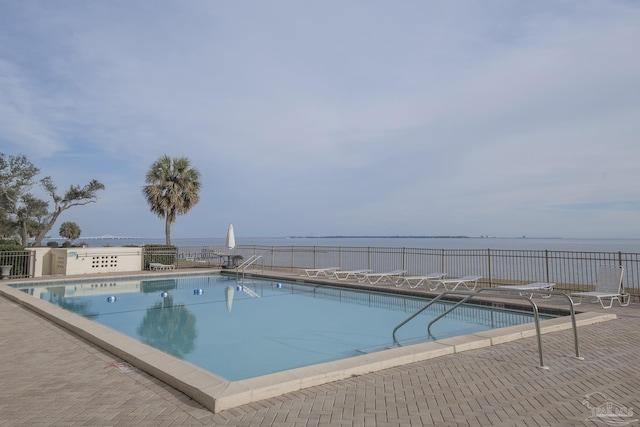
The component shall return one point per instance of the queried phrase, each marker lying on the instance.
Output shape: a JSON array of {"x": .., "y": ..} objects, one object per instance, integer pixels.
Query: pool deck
[{"x": 51, "y": 376}]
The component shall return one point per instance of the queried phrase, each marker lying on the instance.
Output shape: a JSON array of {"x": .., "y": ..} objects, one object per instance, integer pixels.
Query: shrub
[
  {"x": 11, "y": 247},
  {"x": 9, "y": 242}
]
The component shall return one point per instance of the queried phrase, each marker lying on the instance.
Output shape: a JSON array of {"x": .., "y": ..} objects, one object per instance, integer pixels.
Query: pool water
[{"x": 243, "y": 328}]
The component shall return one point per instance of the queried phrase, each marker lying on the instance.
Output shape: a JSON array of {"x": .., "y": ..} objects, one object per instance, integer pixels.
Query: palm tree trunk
[{"x": 167, "y": 230}]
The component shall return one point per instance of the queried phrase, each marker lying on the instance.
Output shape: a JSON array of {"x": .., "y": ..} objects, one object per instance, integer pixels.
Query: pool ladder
[
  {"x": 502, "y": 294},
  {"x": 243, "y": 267}
]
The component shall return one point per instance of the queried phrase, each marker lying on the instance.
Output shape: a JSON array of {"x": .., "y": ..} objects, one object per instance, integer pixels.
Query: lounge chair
[
  {"x": 465, "y": 281},
  {"x": 315, "y": 272},
  {"x": 347, "y": 274},
  {"x": 608, "y": 286},
  {"x": 159, "y": 266},
  {"x": 531, "y": 288},
  {"x": 415, "y": 281},
  {"x": 374, "y": 278}
]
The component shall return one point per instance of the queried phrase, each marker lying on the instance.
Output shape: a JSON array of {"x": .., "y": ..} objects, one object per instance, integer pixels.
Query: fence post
[
  {"x": 31, "y": 269},
  {"x": 489, "y": 263},
  {"x": 620, "y": 263},
  {"x": 546, "y": 264},
  {"x": 404, "y": 258},
  {"x": 292, "y": 258},
  {"x": 273, "y": 255}
]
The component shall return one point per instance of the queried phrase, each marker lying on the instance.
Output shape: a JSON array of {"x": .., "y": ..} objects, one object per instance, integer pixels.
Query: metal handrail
[
  {"x": 252, "y": 260},
  {"x": 248, "y": 262},
  {"x": 503, "y": 294},
  {"x": 549, "y": 293}
]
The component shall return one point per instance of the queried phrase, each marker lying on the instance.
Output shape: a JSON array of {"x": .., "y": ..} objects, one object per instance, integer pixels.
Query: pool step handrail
[
  {"x": 502, "y": 294},
  {"x": 252, "y": 259},
  {"x": 544, "y": 292},
  {"x": 243, "y": 267}
]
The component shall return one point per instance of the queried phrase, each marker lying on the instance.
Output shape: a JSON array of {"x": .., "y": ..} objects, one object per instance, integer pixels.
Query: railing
[
  {"x": 204, "y": 257},
  {"x": 16, "y": 264},
  {"x": 159, "y": 254},
  {"x": 466, "y": 296},
  {"x": 253, "y": 259},
  {"x": 571, "y": 271}
]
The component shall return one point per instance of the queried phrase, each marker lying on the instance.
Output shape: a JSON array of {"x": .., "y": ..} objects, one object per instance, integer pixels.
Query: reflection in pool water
[{"x": 240, "y": 329}]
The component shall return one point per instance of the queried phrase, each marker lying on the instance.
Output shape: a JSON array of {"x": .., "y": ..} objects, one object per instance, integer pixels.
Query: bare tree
[
  {"x": 22, "y": 214},
  {"x": 75, "y": 196}
]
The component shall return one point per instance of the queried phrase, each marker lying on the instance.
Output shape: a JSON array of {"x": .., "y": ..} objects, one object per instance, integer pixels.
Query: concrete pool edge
[{"x": 218, "y": 394}]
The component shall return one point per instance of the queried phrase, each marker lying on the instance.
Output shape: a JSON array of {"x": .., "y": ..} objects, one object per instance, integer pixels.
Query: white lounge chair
[
  {"x": 374, "y": 278},
  {"x": 159, "y": 266},
  {"x": 530, "y": 288},
  {"x": 608, "y": 286},
  {"x": 347, "y": 274},
  {"x": 315, "y": 272},
  {"x": 415, "y": 281},
  {"x": 465, "y": 281}
]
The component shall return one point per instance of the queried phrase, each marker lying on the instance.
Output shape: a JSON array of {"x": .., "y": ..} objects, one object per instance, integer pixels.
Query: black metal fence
[{"x": 571, "y": 271}]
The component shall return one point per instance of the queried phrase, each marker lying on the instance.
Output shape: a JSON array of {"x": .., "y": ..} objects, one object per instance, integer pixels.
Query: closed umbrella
[{"x": 231, "y": 238}]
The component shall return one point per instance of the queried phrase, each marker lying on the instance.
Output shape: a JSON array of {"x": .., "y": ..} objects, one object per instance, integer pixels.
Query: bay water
[{"x": 522, "y": 243}]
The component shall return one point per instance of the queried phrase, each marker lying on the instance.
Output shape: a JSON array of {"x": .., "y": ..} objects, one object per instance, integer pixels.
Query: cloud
[
  {"x": 626, "y": 205},
  {"x": 332, "y": 118}
]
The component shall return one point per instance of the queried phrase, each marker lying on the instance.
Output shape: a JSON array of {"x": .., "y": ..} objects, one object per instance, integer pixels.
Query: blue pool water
[{"x": 240, "y": 329}]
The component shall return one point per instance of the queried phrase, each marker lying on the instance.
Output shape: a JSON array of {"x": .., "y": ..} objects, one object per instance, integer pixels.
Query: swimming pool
[{"x": 244, "y": 328}]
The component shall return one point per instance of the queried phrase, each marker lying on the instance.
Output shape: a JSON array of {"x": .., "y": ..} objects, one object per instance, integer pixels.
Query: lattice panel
[{"x": 104, "y": 261}]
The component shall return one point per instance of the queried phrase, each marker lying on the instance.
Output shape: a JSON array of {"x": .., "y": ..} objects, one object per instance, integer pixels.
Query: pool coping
[{"x": 217, "y": 394}]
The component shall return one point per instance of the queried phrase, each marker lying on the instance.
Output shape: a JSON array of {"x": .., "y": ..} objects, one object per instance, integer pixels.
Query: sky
[{"x": 477, "y": 118}]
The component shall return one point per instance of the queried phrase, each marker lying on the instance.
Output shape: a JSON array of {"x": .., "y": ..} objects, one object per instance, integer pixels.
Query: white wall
[
  {"x": 72, "y": 261},
  {"x": 42, "y": 266}
]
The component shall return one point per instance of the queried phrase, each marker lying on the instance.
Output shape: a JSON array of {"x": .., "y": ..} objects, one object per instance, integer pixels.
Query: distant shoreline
[
  {"x": 110, "y": 237},
  {"x": 416, "y": 237},
  {"x": 379, "y": 237},
  {"x": 412, "y": 241}
]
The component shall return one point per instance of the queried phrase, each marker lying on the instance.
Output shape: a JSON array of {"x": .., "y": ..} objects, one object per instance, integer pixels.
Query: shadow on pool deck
[{"x": 487, "y": 384}]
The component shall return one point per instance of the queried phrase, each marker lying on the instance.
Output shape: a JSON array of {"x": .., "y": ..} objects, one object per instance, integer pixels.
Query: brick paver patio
[{"x": 53, "y": 378}]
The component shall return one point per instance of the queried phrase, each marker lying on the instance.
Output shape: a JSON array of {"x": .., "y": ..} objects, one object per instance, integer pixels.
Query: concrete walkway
[{"x": 51, "y": 377}]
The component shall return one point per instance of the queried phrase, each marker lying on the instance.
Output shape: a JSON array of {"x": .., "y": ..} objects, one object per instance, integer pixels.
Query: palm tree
[
  {"x": 70, "y": 231},
  {"x": 172, "y": 189}
]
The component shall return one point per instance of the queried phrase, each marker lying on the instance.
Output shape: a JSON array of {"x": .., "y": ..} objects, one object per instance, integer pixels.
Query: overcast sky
[{"x": 500, "y": 118}]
